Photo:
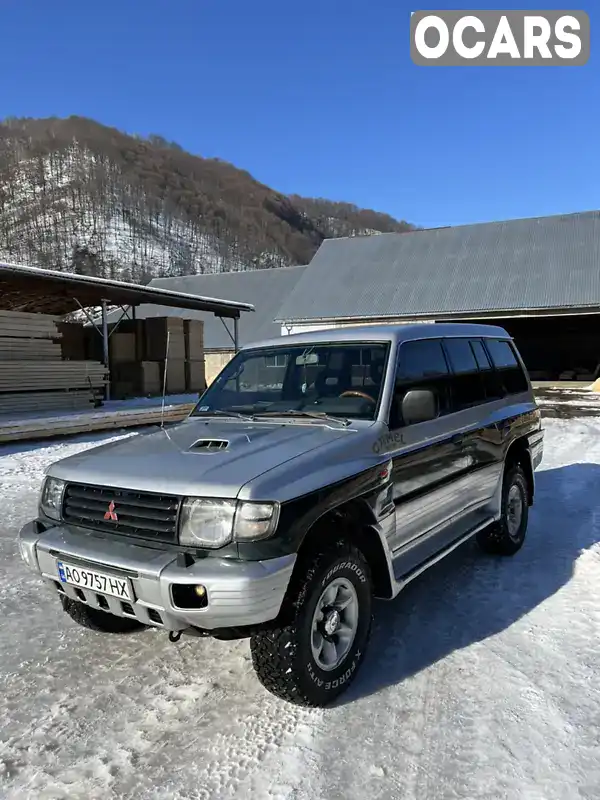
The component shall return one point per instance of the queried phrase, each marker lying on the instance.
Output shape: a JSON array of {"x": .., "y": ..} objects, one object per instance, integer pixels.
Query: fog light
[{"x": 190, "y": 596}]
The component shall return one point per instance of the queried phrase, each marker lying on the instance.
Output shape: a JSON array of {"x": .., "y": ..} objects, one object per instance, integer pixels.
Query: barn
[{"x": 539, "y": 278}]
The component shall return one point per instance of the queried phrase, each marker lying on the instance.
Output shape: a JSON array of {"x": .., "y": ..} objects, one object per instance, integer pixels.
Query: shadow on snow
[{"x": 468, "y": 596}]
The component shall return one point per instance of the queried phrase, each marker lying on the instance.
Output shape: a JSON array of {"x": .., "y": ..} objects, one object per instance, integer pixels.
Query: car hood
[{"x": 177, "y": 460}]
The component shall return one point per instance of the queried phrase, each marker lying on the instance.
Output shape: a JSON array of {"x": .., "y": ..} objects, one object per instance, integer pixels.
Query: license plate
[{"x": 95, "y": 581}]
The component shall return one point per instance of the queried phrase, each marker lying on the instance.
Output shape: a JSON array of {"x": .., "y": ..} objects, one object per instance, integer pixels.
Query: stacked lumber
[
  {"x": 159, "y": 331},
  {"x": 35, "y": 375},
  {"x": 22, "y": 324},
  {"x": 26, "y": 402},
  {"x": 195, "y": 370},
  {"x": 121, "y": 347},
  {"x": 31, "y": 376},
  {"x": 142, "y": 350},
  {"x": 136, "y": 378},
  {"x": 72, "y": 341},
  {"x": 195, "y": 376},
  {"x": 12, "y": 430},
  {"x": 194, "y": 339},
  {"x": 13, "y": 349},
  {"x": 138, "y": 328},
  {"x": 175, "y": 378}
]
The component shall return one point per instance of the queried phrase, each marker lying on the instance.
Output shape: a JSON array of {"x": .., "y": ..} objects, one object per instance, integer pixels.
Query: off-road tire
[
  {"x": 97, "y": 620},
  {"x": 282, "y": 656},
  {"x": 496, "y": 539}
]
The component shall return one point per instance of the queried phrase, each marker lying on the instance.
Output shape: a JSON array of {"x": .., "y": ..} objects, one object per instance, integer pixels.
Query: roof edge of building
[{"x": 592, "y": 308}]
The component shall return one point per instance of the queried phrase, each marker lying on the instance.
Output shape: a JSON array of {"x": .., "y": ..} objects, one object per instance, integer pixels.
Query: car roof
[{"x": 384, "y": 333}]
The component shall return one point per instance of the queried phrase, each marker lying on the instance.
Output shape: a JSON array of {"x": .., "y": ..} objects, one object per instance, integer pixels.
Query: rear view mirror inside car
[{"x": 309, "y": 358}]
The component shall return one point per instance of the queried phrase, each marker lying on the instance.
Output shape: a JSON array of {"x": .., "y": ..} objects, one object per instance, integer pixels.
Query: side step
[{"x": 404, "y": 580}]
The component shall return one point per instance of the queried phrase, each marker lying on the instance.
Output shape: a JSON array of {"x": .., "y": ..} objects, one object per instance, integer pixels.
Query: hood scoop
[{"x": 209, "y": 445}]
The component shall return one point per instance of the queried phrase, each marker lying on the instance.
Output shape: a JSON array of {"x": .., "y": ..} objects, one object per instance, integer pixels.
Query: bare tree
[{"x": 77, "y": 195}]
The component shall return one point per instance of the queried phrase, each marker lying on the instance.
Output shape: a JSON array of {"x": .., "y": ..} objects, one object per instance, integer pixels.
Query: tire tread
[
  {"x": 273, "y": 650},
  {"x": 495, "y": 539}
]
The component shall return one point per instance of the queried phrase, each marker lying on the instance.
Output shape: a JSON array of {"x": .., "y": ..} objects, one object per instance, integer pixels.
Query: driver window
[{"x": 421, "y": 365}]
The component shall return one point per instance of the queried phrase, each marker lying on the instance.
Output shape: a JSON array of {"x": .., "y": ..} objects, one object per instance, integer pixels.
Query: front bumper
[{"x": 239, "y": 593}]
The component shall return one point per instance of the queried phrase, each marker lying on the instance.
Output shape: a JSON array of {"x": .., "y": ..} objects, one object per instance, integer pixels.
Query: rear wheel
[
  {"x": 315, "y": 655},
  {"x": 506, "y": 536},
  {"x": 97, "y": 620}
]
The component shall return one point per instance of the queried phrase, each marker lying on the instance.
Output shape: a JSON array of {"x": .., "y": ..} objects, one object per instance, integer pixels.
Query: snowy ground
[{"x": 481, "y": 680}]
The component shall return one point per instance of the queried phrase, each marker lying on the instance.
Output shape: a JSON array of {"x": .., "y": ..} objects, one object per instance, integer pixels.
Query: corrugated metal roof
[
  {"x": 265, "y": 289},
  {"x": 25, "y": 288},
  {"x": 540, "y": 263}
]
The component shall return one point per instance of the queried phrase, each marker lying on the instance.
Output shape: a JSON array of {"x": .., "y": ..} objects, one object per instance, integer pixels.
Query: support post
[
  {"x": 105, "y": 347},
  {"x": 235, "y": 335}
]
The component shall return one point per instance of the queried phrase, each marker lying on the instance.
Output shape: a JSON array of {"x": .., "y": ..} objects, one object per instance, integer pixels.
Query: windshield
[{"x": 337, "y": 380}]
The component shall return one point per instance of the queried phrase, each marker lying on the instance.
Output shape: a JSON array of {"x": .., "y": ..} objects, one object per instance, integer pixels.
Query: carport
[{"x": 45, "y": 291}]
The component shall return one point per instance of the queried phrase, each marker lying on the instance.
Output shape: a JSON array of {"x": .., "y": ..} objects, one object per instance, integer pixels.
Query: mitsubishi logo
[{"x": 111, "y": 514}]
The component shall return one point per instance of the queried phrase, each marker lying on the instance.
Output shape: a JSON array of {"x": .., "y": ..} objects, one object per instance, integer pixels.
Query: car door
[
  {"x": 471, "y": 409},
  {"x": 428, "y": 459}
]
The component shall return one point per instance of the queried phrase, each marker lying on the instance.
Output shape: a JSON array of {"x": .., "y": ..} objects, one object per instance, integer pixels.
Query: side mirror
[{"x": 419, "y": 405}]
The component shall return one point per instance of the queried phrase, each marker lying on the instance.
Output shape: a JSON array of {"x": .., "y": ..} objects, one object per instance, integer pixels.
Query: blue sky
[{"x": 319, "y": 98}]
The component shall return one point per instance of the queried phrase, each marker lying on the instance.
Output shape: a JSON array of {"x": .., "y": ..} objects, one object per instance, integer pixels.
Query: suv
[{"x": 316, "y": 472}]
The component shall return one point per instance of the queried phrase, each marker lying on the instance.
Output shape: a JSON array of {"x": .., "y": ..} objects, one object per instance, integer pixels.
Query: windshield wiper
[
  {"x": 321, "y": 415},
  {"x": 216, "y": 412}
]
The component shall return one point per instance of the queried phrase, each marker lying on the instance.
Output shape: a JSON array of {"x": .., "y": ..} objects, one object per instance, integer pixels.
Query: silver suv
[{"x": 318, "y": 471}]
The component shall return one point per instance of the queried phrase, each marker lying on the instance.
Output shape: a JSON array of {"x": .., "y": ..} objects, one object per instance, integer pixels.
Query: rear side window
[
  {"x": 466, "y": 384},
  {"x": 511, "y": 376},
  {"x": 461, "y": 356},
  {"x": 481, "y": 356},
  {"x": 502, "y": 354},
  {"x": 421, "y": 360}
]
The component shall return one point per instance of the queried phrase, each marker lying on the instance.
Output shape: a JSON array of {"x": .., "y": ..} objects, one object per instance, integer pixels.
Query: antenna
[{"x": 162, "y": 411}]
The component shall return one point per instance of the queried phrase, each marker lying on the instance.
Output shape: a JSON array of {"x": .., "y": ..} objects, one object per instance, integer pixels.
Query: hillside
[{"x": 79, "y": 196}]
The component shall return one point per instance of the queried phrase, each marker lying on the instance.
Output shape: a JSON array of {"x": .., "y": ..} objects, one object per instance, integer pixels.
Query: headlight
[
  {"x": 52, "y": 498},
  {"x": 206, "y": 523},
  {"x": 214, "y": 523}
]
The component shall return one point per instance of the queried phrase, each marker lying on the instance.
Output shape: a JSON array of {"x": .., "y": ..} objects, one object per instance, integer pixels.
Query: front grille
[{"x": 141, "y": 514}]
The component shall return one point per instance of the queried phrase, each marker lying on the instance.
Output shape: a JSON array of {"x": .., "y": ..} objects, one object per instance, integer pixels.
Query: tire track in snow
[
  {"x": 480, "y": 682},
  {"x": 437, "y": 727},
  {"x": 134, "y": 716},
  {"x": 152, "y": 721}
]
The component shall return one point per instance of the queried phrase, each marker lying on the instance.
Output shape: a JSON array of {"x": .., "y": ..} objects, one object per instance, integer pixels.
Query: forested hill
[{"x": 79, "y": 196}]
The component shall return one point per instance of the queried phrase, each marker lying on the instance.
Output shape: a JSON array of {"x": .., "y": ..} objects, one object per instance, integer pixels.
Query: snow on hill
[{"x": 79, "y": 196}]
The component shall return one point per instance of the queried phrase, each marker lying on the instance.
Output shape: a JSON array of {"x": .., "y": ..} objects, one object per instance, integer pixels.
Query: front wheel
[
  {"x": 315, "y": 656},
  {"x": 506, "y": 536}
]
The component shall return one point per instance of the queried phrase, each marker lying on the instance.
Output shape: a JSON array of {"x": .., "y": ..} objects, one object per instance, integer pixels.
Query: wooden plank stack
[
  {"x": 158, "y": 331},
  {"x": 34, "y": 375},
  {"x": 138, "y": 357},
  {"x": 195, "y": 371},
  {"x": 136, "y": 378},
  {"x": 12, "y": 430}
]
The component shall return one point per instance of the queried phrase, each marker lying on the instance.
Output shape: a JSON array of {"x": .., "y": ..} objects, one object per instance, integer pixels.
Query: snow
[
  {"x": 115, "y": 223},
  {"x": 480, "y": 681}
]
